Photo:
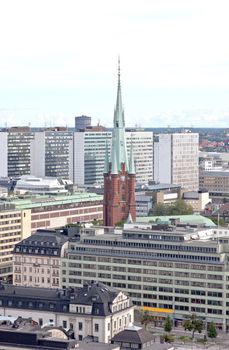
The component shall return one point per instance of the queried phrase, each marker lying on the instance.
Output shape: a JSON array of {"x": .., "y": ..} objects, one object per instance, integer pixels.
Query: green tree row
[{"x": 179, "y": 207}]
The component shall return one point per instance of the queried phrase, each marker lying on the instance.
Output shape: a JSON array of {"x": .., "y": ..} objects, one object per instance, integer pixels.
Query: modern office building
[
  {"x": 90, "y": 148},
  {"x": 14, "y": 226},
  {"x": 51, "y": 153},
  {"x": 176, "y": 159},
  {"x": 174, "y": 270},
  {"x": 37, "y": 260},
  {"x": 15, "y": 145},
  {"x": 95, "y": 311}
]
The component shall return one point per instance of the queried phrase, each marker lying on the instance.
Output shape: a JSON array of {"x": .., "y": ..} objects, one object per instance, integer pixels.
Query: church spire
[
  {"x": 131, "y": 164},
  {"x": 118, "y": 137}
]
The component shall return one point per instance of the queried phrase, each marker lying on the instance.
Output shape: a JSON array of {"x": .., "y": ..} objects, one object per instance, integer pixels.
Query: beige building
[
  {"x": 14, "y": 226},
  {"x": 197, "y": 199},
  {"x": 49, "y": 211},
  {"x": 216, "y": 182},
  {"x": 177, "y": 271},
  {"x": 176, "y": 159},
  {"x": 37, "y": 260}
]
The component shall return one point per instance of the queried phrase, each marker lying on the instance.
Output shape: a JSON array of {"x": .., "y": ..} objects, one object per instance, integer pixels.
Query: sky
[{"x": 59, "y": 58}]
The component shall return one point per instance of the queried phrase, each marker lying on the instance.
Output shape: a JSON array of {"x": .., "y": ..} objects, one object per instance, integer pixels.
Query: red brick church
[{"x": 119, "y": 173}]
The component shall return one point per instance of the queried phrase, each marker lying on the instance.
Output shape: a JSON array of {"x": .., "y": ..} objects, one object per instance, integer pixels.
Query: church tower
[{"x": 119, "y": 172}]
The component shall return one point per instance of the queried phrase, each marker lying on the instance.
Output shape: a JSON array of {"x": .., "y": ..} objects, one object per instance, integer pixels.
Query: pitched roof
[{"x": 136, "y": 335}]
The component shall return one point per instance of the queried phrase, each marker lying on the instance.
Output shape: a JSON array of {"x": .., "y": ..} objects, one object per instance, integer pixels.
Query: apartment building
[
  {"x": 14, "y": 226},
  {"x": 176, "y": 159},
  {"x": 37, "y": 260},
  {"x": 174, "y": 271},
  {"x": 47, "y": 212},
  {"x": 51, "y": 153},
  {"x": 95, "y": 311},
  {"x": 15, "y": 145}
]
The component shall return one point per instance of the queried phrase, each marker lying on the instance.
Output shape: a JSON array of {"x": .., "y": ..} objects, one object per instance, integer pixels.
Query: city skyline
[{"x": 59, "y": 60}]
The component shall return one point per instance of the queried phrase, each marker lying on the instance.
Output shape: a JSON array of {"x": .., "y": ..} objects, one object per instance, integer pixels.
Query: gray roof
[
  {"x": 96, "y": 294},
  {"x": 136, "y": 335},
  {"x": 43, "y": 242}
]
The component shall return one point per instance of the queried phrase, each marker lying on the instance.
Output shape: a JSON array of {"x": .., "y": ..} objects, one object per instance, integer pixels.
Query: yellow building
[{"x": 15, "y": 225}]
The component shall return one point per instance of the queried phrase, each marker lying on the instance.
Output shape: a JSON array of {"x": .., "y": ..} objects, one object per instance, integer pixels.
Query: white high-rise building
[
  {"x": 15, "y": 155},
  {"x": 176, "y": 159},
  {"x": 51, "y": 153},
  {"x": 89, "y": 155}
]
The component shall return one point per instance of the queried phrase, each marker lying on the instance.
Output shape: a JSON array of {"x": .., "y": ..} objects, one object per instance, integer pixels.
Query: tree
[
  {"x": 193, "y": 324},
  {"x": 146, "y": 319},
  {"x": 179, "y": 207},
  {"x": 212, "y": 332},
  {"x": 168, "y": 325}
]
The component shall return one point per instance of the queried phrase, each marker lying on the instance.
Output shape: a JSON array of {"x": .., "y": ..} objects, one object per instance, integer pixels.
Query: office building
[
  {"x": 95, "y": 311},
  {"x": 37, "y": 260},
  {"x": 176, "y": 159},
  {"x": 165, "y": 269},
  {"x": 89, "y": 148},
  {"x": 89, "y": 154},
  {"x": 119, "y": 173},
  {"x": 216, "y": 182},
  {"x": 51, "y": 153},
  {"x": 51, "y": 211},
  {"x": 14, "y": 226},
  {"x": 15, "y": 156}
]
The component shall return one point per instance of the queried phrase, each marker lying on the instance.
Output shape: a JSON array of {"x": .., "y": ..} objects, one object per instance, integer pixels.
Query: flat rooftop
[{"x": 42, "y": 201}]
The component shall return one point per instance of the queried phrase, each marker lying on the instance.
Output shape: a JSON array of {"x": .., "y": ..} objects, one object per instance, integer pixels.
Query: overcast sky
[{"x": 58, "y": 59}]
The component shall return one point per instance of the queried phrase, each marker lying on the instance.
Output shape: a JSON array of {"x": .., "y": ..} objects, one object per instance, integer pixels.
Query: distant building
[
  {"x": 216, "y": 182},
  {"x": 82, "y": 122},
  {"x": 95, "y": 311},
  {"x": 51, "y": 153},
  {"x": 37, "y": 260},
  {"x": 176, "y": 159},
  {"x": 15, "y": 145},
  {"x": 90, "y": 148},
  {"x": 38, "y": 185}
]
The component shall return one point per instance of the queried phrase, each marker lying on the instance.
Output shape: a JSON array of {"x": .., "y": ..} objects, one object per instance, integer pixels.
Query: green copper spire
[
  {"x": 131, "y": 166},
  {"x": 118, "y": 136},
  {"x": 106, "y": 163}
]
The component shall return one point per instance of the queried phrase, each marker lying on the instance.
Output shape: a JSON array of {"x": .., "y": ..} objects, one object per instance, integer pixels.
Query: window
[
  {"x": 108, "y": 326},
  {"x": 80, "y": 337},
  {"x": 80, "y": 326},
  {"x": 10, "y": 303},
  {"x": 96, "y": 327},
  {"x": 40, "y": 321},
  {"x": 64, "y": 324}
]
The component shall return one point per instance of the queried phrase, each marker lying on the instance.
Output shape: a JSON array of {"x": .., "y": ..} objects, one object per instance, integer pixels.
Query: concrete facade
[{"x": 176, "y": 159}]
